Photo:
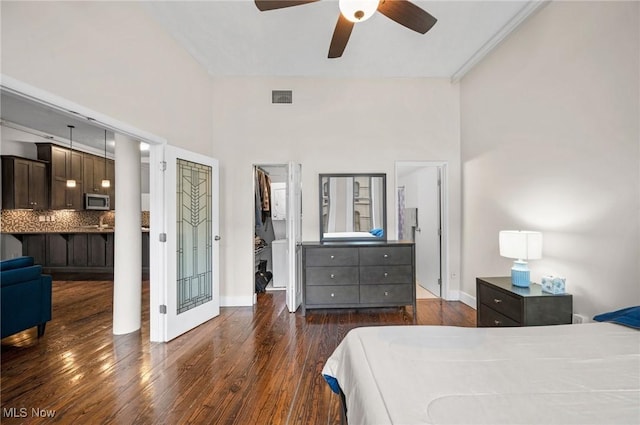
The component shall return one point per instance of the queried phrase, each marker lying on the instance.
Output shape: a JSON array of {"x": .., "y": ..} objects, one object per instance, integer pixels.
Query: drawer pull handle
[
  {"x": 332, "y": 276},
  {"x": 495, "y": 322},
  {"x": 386, "y": 294},
  {"x": 333, "y": 256},
  {"x": 333, "y": 295},
  {"x": 386, "y": 256},
  {"x": 497, "y": 300},
  {"x": 386, "y": 274}
]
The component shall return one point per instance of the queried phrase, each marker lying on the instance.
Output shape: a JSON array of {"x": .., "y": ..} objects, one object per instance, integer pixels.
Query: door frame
[
  {"x": 161, "y": 329},
  {"x": 443, "y": 166},
  {"x": 293, "y": 290},
  {"x": 66, "y": 107}
]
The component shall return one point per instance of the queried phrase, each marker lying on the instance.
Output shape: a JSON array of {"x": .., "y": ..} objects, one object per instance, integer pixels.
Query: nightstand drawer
[
  {"x": 331, "y": 275},
  {"x": 500, "y": 303},
  {"x": 386, "y": 294},
  {"x": 377, "y": 256},
  {"x": 491, "y": 318},
  {"x": 386, "y": 274},
  {"x": 505, "y": 304},
  {"x": 331, "y": 257},
  {"x": 332, "y": 294}
]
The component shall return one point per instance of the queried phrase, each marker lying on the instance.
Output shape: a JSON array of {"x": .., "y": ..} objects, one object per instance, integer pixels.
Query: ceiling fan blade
[
  {"x": 340, "y": 37},
  {"x": 279, "y": 4},
  {"x": 407, "y": 14}
]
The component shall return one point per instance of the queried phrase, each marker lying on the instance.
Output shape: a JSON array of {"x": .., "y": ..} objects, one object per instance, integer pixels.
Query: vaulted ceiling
[{"x": 234, "y": 38}]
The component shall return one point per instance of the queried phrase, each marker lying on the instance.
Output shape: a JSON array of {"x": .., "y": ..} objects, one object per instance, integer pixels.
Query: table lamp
[{"x": 522, "y": 245}]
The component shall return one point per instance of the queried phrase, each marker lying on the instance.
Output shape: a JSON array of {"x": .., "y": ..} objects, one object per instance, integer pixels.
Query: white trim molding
[
  {"x": 65, "y": 106},
  {"x": 527, "y": 10}
]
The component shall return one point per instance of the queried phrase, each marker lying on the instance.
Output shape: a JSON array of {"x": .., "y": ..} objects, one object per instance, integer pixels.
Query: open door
[
  {"x": 184, "y": 241},
  {"x": 294, "y": 235}
]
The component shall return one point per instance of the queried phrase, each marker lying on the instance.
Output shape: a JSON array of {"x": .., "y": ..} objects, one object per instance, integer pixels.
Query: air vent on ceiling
[{"x": 281, "y": 96}]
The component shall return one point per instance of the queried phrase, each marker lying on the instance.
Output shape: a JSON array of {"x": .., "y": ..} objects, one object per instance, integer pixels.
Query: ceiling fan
[{"x": 353, "y": 11}]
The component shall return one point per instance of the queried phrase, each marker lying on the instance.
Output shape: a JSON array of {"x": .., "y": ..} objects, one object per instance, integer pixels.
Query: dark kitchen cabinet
[
  {"x": 56, "y": 249},
  {"x": 78, "y": 250},
  {"x": 95, "y": 170},
  {"x": 109, "y": 246},
  {"x": 64, "y": 164},
  {"x": 24, "y": 183},
  {"x": 97, "y": 249},
  {"x": 145, "y": 250},
  {"x": 34, "y": 246}
]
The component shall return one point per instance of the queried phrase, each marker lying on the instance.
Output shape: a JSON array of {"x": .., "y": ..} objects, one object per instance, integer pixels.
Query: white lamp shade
[
  {"x": 520, "y": 244},
  {"x": 358, "y": 10}
]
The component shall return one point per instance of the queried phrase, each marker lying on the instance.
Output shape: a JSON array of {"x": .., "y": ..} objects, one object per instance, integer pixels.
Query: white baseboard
[
  {"x": 243, "y": 301},
  {"x": 468, "y": 299}
]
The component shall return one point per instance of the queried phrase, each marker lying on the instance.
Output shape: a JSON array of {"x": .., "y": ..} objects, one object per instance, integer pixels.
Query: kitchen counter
[
  {"x": 84, "y": 229},
  {"x": 85, "y": 249}
]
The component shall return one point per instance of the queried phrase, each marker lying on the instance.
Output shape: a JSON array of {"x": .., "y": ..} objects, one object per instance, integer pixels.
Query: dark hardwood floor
[{"x": 250, "y": 365}]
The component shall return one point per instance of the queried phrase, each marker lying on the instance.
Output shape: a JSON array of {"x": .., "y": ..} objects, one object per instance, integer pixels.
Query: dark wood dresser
[
  {"x": 499, "y": 303},
  {"x": 358, "y": 274}
]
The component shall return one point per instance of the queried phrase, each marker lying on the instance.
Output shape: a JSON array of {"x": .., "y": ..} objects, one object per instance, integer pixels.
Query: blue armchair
[{"x": 25, "y": 296}]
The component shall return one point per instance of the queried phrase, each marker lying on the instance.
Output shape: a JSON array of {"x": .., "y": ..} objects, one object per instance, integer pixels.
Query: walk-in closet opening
[{"x": 270, "y": 223}]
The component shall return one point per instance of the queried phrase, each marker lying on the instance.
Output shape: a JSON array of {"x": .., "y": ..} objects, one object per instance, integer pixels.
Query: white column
[{"x": 127, "y": 273}]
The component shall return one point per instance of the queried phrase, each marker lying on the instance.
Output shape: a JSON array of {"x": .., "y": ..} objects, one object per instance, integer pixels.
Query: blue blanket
[{"x": 629, "y": 316}]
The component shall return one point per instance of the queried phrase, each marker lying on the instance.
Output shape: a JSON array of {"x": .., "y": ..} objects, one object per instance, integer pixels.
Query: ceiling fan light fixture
[{"x": 358, "y": 10}]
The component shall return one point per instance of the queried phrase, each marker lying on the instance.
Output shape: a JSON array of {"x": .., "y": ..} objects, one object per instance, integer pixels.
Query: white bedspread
[{"x": 570, "y": 374}]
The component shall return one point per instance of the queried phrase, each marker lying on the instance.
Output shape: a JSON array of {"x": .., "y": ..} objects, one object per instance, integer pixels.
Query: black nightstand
[{"x": 502, "y": 304}]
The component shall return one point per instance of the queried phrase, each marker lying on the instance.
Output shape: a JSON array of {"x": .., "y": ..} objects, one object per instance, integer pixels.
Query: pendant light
[
  {"x": 70, "y": 181},
  {"x": 105, "y": 182}
]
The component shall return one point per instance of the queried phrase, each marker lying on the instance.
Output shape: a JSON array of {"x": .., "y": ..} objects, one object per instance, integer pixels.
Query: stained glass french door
[{"x": 189, "y": 247}]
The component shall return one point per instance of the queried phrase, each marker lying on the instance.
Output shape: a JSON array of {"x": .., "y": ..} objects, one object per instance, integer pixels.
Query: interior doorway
[
  {"x": 420, "y": 212},
  {"x": 278, "y": 230},
  {"x": 270, "y": 225}
]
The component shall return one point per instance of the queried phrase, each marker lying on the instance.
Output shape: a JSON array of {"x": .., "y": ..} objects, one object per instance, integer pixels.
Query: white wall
[
  {"x": 333, "y": 125},
  {"x": 110, "y": 57},
  {"x": 550, "y": 142}
]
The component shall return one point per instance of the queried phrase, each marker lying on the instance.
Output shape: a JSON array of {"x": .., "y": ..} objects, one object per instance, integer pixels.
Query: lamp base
[{"x": 520, "y": 275}]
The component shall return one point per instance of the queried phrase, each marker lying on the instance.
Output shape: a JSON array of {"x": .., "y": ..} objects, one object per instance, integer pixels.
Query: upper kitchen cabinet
[
  {"x": 95, "y": 172},
  {"x": 64, "y": 164},
  {"x": 24, "y": 183}
]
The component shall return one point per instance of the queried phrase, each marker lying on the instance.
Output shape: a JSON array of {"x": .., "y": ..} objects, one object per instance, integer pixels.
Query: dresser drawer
[
  {"x": 386, "y": 274},
  {"x": 491, "y": 318},
  {"x": 331, "y": 275},
  {"x": 505, "y": 304},
  {"x": 376, "y": 256},
  {"x": 384, "y": 294},
  {"x": 331, "y": 257},
  {"x": 332, "y": 294}
]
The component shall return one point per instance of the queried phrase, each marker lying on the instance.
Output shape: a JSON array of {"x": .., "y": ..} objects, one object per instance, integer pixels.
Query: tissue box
[{"x": 553, "y": 284}]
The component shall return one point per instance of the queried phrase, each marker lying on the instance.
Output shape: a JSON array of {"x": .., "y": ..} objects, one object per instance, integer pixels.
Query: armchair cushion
[
  {"x": 25, "y": 296},
  {"x": 16, "y": 263},
  {"x": 11, "y": 277}
]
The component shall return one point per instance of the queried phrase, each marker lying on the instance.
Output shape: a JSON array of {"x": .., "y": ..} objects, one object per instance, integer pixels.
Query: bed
[{"x": 566, "y": 374}]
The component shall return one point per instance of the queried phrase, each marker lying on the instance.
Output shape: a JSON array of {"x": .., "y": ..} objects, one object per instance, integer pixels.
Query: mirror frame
[{"x": 324, "y": 239}]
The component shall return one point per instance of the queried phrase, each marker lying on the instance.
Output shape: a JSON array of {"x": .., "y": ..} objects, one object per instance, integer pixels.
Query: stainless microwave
[{"x": 94, "y": 201}]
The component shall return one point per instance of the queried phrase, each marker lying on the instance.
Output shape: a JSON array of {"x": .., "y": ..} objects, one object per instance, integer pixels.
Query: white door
[
  {"x": 294, "y": 235},
  {"x": 184, "y": 241},
  {"x": 428, "y": 255}
]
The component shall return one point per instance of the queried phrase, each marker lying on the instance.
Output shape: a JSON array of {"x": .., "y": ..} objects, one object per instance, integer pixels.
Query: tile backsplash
[{"x": 56, "y": 220}]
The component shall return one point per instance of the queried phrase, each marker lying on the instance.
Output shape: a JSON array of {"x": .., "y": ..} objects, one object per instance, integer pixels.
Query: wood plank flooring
[{"x": 250, "y": 365}]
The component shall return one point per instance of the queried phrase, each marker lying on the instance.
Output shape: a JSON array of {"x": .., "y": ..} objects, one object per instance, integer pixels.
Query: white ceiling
[{"x": 234, "y": 38}]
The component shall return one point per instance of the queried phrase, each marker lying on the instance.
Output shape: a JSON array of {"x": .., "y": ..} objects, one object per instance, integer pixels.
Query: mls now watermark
[{"x": 23, "y": 412}]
